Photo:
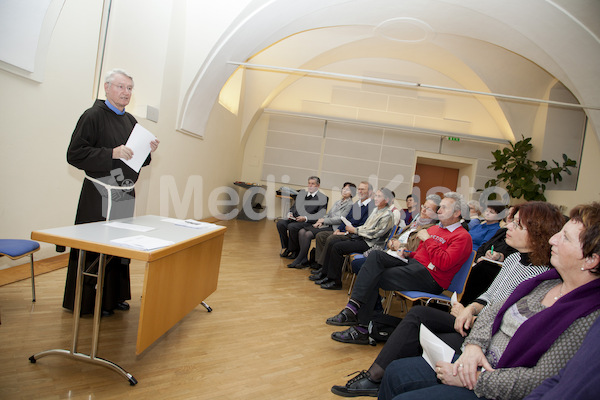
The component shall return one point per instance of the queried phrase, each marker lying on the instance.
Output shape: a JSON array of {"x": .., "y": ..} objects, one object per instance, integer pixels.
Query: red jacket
[{"x": 444, "y": 252}]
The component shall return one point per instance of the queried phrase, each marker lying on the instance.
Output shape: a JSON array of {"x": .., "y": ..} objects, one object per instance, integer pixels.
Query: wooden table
[{"x": 177, "y": 279}]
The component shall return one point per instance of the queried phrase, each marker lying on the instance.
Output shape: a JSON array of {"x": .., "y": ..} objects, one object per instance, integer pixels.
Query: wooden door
[{"x": 442, "y": 179}]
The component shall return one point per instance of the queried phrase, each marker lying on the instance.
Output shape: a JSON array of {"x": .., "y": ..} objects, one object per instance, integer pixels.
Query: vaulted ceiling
[{"x": 455, "y": 49}]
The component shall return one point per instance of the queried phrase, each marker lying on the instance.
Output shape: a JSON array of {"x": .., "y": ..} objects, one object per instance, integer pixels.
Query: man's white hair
[
  {"x": 459, "y": 201},
  {"x": 110, "y": 76}
]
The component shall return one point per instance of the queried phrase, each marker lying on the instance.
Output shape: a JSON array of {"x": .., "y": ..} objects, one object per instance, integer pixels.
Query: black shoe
[
  {"x": 331, "y": 285},
  {"x": 292, "y": 265},
  {"x": 107, "y": 313},
  {"x": 360, "y": 385},
  {"x": 292, "y": 255},
  {"x": 284, "y": 253},
  {"x": 316, "y": 277},
  {"x": 301, "y": 266},
  {"x": 351, "y": 335},
  {"x": 123, "y": 306},
  {"x": 344, "y": 318},
  {"x": 316, "y": 271},
  {"x": 322, "y": 281}
]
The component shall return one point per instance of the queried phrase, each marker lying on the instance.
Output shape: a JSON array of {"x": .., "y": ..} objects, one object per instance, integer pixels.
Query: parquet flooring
[{"x": 265, "y": 339}]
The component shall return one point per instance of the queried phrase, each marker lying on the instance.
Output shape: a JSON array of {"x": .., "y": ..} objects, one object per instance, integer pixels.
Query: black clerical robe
[{"x": 98, "y": 131}]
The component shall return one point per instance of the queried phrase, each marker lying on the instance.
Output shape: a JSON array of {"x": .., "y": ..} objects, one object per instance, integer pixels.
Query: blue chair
[
  {"x": 15, "y": 249},
  {"x": 458, "y": 284}
]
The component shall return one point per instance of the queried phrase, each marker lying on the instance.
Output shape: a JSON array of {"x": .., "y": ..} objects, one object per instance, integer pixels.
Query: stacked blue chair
[{"x": 17, "y": 248}]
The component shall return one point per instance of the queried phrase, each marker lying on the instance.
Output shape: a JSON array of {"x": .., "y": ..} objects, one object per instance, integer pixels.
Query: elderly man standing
[
  {"x": 310, "y": 205},
  {"x": 98, "y": 147},
  {"x": 443, "y": 249}
]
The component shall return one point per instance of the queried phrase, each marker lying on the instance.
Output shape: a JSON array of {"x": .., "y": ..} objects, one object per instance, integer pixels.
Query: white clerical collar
[{"x": 364, "y": 203}]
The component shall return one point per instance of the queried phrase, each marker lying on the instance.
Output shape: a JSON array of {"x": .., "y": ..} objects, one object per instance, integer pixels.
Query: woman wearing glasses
[{"x": 517, "y": 344}]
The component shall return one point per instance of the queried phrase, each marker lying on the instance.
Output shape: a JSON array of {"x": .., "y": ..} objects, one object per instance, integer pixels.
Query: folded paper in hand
[
  {"x": 395, "y": 253},
  {"x": 346, "y": 222},
  {"x": 434, "y": 348},
  {"x": 139, "y": 142},
  {"x": 454, "y": 299}
]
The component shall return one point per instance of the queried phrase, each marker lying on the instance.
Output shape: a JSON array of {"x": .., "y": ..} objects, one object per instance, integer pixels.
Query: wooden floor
[{"x": 265, "y": 339}]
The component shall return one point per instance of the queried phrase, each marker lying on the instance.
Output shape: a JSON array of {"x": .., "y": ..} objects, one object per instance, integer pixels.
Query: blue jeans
[{"x": 413, "y": 379}]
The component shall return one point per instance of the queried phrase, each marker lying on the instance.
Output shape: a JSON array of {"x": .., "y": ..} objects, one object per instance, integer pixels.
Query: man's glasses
[
  {"x": 123, "y": 87},
  {"x": 426, "y": 208}
]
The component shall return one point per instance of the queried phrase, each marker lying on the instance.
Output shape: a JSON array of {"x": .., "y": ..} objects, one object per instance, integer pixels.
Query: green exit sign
[{"x": 453, "y": 139}]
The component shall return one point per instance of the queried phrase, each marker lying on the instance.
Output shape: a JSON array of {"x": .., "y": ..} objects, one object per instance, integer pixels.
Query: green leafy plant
[{"x": 522, "y": 177}]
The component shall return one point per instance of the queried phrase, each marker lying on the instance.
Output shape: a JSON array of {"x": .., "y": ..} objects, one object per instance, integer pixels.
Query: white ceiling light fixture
[{"x": 403, "y": 29}]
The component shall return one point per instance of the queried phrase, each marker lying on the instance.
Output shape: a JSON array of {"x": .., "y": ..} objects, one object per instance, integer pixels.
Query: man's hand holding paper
[{"x": 141, "y": 142}]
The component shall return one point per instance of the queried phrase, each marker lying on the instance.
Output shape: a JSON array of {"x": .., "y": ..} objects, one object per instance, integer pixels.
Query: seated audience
[
  {"x": 411, "y": 210},
  {"x": 332, "y": 218},
  {"x": 515, "y": 345},
  {"x": 396, "y": 212},
  {"x": 484, "y": 231},
  {"x": 531, "y": 258},
  {"x": 441, "y": 253},
  {"x": 357, "y": 216},
  {"x": 488, "y": 262},
  {"x": 375, "y": 231},
  {"x": 310, "y": 205},
  {"x": 407, "y": 237},
  {"x": 474, "y": 213}
]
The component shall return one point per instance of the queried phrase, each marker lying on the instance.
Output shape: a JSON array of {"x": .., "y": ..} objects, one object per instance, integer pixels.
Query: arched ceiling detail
[{"x": 558, "y": 36}]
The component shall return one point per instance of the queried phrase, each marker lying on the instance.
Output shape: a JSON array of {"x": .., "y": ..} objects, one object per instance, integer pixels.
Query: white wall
[{"x": 40, "y": 190}]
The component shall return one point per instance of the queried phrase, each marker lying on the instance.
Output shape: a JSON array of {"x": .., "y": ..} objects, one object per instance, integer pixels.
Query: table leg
[{"x": 96, "y": 327}]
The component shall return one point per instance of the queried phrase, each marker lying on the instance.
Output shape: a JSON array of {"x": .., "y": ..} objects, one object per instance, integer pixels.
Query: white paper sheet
[
  {"x": 395, "y": 253},
  {"x": 139, "y": 142},
  {"x": 131, "y": 227},
  {"x": 434, "y": 348},
  {"x": 192, "y": 223},
  {"x": 454, "y": 298},
  {"x": 346, "y": 222},
  {"x": 493, "y": 261},
  {"x": 142, "y": 242}
]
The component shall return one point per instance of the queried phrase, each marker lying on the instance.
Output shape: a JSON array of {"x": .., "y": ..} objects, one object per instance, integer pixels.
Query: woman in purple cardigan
[{"x": 514, "y": 346}]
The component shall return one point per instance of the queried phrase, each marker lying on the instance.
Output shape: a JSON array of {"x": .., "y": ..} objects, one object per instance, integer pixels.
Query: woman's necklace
[{"x": 560, "y": 294}]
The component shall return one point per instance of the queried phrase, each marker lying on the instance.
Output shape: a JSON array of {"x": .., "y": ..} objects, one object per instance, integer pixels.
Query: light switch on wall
[{"x": 152, "y": 114}]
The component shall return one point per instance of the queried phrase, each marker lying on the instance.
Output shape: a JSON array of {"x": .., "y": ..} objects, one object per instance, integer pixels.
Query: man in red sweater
[{"x": 443, "y": 250}]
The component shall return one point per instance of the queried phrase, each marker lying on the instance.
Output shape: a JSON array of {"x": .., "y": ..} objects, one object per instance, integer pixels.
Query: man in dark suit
[{"x": 310, "y": 205}]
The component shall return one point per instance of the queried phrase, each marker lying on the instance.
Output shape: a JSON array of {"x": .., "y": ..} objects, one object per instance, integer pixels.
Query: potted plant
[{"x": 522, "y": 177}]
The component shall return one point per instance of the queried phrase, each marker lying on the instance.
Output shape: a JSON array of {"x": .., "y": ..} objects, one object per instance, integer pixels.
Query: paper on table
[
  {"x": 434, "y": 348},
  {"x": 139, "y": 142},
  {"x": 192, "y": 223},
  {"x": 142, "y": 242},
  {"x": 131, "y": 227}
]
